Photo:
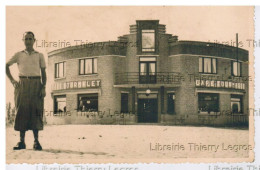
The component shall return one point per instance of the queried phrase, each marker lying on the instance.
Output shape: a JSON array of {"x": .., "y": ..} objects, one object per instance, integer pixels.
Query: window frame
[
  {"x": 55, "y": 105},
  {"x": 212, "y": 95},
  {"x": 232, "y": 68},
  {"x": 240, "y": 97},
  {"x": 87, "y": 95},
  {"x": 147, "y": 62},
  {"x": 84, "y": 66},
  {"x": 56, "y": 67},
  {"x": 148, "y": 49},
  {"x": 211, "y": 63}
]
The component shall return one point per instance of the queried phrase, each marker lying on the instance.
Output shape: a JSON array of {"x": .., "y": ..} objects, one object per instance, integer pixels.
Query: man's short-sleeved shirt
[{"x": 28, "y": 64}]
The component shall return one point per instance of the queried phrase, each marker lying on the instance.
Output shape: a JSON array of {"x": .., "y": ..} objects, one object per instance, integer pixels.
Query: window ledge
[
  {"x": 60, "y": 78},
  {"x": 208, "y": 73},
  {"x": 88, "y": 75}
]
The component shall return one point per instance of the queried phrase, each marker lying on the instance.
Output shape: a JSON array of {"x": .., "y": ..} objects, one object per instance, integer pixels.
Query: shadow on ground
[{"x": 57, "y": 151}]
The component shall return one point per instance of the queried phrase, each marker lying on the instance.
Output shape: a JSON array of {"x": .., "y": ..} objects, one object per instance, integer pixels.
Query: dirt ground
[{"x": 110, "y": 143}]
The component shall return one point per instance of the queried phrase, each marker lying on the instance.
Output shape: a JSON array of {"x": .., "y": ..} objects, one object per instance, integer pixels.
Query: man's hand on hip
[
  {"x": 15, "y": 83},
  {"x": 43, "y": 92}
]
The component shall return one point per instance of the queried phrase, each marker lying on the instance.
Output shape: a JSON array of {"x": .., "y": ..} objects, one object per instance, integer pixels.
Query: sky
[{"x": 96, "y": 24}]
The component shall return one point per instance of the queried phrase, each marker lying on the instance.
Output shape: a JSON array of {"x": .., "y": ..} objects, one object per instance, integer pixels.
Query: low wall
[
  {"x": 89, "y": 118},
  {"x": 206, "y": 120},
  {"x": 166, "y": 119}
]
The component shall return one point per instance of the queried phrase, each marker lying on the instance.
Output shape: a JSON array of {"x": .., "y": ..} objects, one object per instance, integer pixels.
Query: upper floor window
[
  {"x": 235, "y": 68},
  {"x": 207, "y": 65},
  {"x": 60, "y": 70},
  {"x": 148, "y": 40},
  {"x": 147, "y": 70},
  {"x": 88, "y": 66}
]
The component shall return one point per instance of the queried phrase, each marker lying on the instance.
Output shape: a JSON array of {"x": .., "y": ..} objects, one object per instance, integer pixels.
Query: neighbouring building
[{"x": 149, "y": 76}]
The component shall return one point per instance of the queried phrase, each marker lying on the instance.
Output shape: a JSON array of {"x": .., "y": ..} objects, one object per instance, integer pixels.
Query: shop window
[
  {"x": 148, "y": 40},
  {"x": 88, "y": 102},
  {"x": 207, "y": 65},
  {"x": 60, "y": 70},
  {"x": 88, "y": 66},
  {"x": 236, "y": 103},
  {"x": 208, "y": 103},
  {"x": 236, "y": 68},
  {"x": 59, "y": 104},
  {"x": 171, "y": 103},
  {"x": 124, "y": 102}
]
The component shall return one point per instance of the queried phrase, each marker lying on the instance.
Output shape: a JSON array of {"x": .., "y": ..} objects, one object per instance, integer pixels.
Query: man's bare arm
[
  {"x": 44, "y": 77},
  {"x": 9, "y": 75},
  {"x": 44, "y": 80}
]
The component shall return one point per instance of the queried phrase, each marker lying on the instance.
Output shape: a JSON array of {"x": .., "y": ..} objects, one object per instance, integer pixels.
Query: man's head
[{"x": 29, "y": 39}]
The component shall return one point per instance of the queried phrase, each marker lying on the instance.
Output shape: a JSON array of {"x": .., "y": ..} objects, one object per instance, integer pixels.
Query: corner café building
[{"x": 149, "y": 76}]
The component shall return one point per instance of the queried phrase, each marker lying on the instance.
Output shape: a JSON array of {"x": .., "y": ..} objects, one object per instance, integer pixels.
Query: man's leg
[
  {"x": 22, "y": 136},
  {"x": 37, "y": 145},
  {"x": 36, "y": 135},
  {"x": 21, "y": 145}
]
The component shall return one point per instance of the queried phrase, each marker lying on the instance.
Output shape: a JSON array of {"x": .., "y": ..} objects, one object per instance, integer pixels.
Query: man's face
[{"x": 29, "y": 40}]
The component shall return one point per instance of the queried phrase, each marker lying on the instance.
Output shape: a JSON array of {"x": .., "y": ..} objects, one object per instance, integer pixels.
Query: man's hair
[{"x": 28, "y": 32}]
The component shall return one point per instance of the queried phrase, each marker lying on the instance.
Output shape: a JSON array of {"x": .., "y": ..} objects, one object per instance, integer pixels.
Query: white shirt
[{"x": 28, "y": 64}]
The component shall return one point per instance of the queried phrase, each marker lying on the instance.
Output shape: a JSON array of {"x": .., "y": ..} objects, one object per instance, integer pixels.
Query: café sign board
[
  {"x": 82, "y": 84},
  {"x": 220, "y": 84}
]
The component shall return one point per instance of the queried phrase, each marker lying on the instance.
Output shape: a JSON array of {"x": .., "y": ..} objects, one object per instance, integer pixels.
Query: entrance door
[
  {"x": 147, "y": 72},
  {"x": 147, "y": 111}
]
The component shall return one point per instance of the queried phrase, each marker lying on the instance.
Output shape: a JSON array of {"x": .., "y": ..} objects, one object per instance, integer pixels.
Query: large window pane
[
  {"x": 59, "y": 104},
  {"x": 143, "y": 68},
  {"x": 236, "y": 103},
  {"x": 148, "y": 40},
  {"x": 88, "y": 102},
  {"x": 88, "y": 66},
  {"x": 60, "y": 70},
  {"x": 56, "y": 70},
  {"x": 214, "y": 66},
  {"x": 95, "y": 65},
  {"x": 151, "y": 68},
  {"x": 81, "y": 66},
  {"x": 200, "y": 65},
  {"x": 236, "y": 68},
  {"x": 147, "y": 58},
  {"x": 64, "y": 69},
  {"x": 207, "y": 65},
  {"x": 208, "y": 102},
  {"x": 239, "y": 69}
]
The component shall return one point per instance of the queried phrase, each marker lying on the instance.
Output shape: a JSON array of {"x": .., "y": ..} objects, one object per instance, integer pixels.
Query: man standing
[{"x": 29, "y": 92}]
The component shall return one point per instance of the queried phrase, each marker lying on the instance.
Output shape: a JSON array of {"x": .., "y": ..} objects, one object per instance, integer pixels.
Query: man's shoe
[
  {"x": 19, "y": 146},
  {"x": 37, "y": 146}
]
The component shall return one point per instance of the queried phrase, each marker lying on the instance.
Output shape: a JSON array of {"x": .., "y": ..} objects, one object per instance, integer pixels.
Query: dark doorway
[
  {"x": 147, "y": 111},
  {"x": 171, "y": 103},
  {"x": 124, "y": 102}
]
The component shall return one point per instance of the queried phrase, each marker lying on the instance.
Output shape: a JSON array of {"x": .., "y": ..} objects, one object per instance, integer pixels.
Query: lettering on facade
[
  {"x": 220, "y": 84},
  {"x": 77, "y": 84}
]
